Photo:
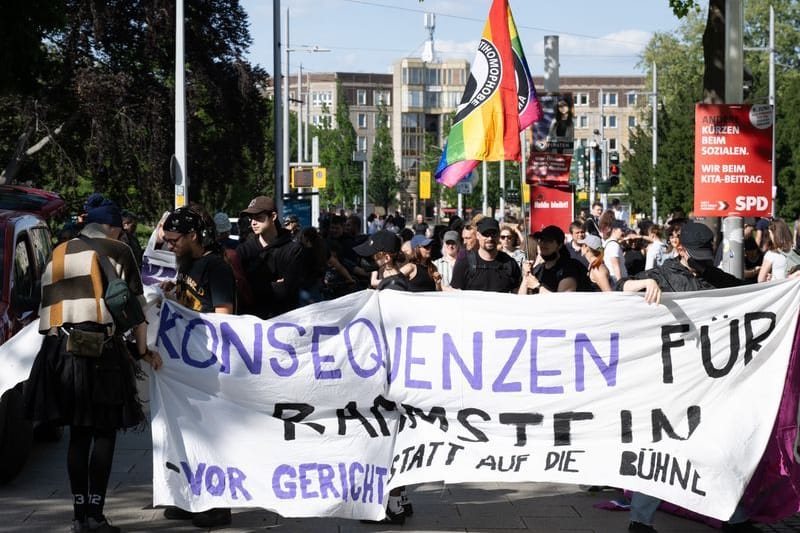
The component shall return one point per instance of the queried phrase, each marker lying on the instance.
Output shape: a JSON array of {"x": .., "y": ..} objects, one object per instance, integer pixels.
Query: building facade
[
  {"x": 426, "y": 95},
  {"x": 364, "y": 93},
  {"x": 610, "y": 105}
]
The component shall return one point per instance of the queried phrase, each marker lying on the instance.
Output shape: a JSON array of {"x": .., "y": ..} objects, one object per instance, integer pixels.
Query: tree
[
  {"x": 336, "y": 153},
  {"x": 384, "y": 176},
  {"x": 104, "y": 108}
]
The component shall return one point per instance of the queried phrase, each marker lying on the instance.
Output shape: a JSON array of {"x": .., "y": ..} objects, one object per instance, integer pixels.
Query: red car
[{"x": 25, "y": 248}]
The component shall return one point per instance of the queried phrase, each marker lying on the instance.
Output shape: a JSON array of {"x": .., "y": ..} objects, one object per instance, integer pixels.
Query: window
[
  {"x": 609, "y": 121},
  {"x": 632, "y": 99},
  {"x": 320, "y": 98},
  {"x": 382, "y": 97},
  {"x": 412, "y": 76},
  {"x": 582, "y": 99},
  {"x": 610, "y": 99},
  {"x": 362, "y": 143},
  {"x": 362, "y": 120},
  {"x": 412, "y": 98},
  {"x": 23, "y": 286},
  {"x": 451, "y": 99},
  {"x": 361, "y": 97},
  {"x": 612, "y": 144},
  {"x": 322, "y": 121},
  {"x": 632, "y": 121},
  {"x": 583, "y": 121},
  {"x": 432, "y": 99},
  {"x": 455, "y": 76}
]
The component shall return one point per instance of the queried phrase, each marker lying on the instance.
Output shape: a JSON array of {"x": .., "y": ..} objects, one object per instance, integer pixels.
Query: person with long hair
[
  {"x": 773, "y": 266},
  {"x": 592, "y": 250},
  {"x": 421, "y": 272},
  {"x": 509, "y": 243}
]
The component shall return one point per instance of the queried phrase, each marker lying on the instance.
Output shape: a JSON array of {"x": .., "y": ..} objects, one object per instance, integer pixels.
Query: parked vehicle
[{"x": 26, "y": 247}]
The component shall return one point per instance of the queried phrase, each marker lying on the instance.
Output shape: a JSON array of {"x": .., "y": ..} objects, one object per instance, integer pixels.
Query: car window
[
  {"x": 42, "y": 247},
  {"x": 23, "y": 273}
]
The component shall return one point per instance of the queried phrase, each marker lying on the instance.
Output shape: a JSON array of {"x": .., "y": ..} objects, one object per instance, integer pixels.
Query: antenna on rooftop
[{"x": 428, "y": 52}]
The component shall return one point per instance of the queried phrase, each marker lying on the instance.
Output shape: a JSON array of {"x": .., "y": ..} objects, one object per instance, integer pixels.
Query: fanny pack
[{"x": 82, "y": 343}]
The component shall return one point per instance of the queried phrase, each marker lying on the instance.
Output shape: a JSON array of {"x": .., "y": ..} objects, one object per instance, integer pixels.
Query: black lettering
[
  {"x": 303, "y": 410},
  {"x": 480, "y": 436},
  {"x": 381, "y": 402},
  {"x": 662, "y": 424},
  {"x": 667, "y": 343},
  {"x": 751, "y": 343},
  {"x": 435, "y": 414},
  {"x": 521, "y": 420},
  {"x": 562, "y": 426},
  {"x": 626, "y": 423},
  {"x": 705, "y": 350},
  {"x": 352, "y": 413},
  {"x": 627, "y": 464}
]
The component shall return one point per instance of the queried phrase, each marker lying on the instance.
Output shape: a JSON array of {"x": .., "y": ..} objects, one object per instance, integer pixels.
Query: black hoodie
[{"x": 273, "y": 273}]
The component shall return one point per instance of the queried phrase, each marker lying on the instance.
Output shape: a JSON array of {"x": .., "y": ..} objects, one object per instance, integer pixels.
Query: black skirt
[{"x": 97, "y": 392}]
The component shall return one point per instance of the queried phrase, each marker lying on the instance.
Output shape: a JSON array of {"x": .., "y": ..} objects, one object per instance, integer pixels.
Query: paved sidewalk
[{"x": 39, "y": 500}]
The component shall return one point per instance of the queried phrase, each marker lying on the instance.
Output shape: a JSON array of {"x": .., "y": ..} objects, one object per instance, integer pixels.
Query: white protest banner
[{"x": 317, "y": 413}]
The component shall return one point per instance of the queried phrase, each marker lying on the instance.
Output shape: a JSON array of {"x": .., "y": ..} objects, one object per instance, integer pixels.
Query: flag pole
[{"x": 522, "y": 145}]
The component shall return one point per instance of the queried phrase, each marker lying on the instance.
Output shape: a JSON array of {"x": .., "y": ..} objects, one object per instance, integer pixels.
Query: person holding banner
[
  {"x": 272, "y": 260},
  {"x": 557, "y": 272},
  {"x": 383, "y": 247},
  {"x": 83, "y": 375},
  {"x": 486, "y": 269},
  {"x": 205, "y": 283},
  {"x": 691, "y": 270}
]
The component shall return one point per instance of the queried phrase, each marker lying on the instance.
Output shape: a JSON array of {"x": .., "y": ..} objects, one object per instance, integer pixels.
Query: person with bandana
[{"x": 204, "y": 283}]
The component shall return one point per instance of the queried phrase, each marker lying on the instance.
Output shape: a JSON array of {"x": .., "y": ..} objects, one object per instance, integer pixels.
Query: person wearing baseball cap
[
  {"x": 592, "y": 250},
  {"x": 558, "y": 272},
  {"x": 691, "y": 270},
  {"x": 272, "y": 261},
  {"x": 445, "y": 264},
  {"x": 486, "y": 269}
]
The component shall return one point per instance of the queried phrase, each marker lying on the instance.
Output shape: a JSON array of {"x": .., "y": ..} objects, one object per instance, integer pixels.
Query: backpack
[
  {"x": 123, "y": 306},
  {"x": 792, "y": 260}
]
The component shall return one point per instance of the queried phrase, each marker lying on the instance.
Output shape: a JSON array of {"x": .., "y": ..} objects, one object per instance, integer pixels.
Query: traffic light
[
  {"x": 598, "y": 162},
  {"x": 613, "y": 168}
]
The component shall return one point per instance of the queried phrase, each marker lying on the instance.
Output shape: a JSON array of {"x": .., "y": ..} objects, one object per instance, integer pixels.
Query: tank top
[{"x": 422, "y": 282}]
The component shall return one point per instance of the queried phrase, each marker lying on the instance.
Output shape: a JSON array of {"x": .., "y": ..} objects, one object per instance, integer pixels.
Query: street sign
[
  {"x": 464, "y": 187},
  {"x": 733, "y": 160},
  {"x": 320, "y": 177},
  {"x": 302, "y": 177},
  {"x": 425, "y": 185}
]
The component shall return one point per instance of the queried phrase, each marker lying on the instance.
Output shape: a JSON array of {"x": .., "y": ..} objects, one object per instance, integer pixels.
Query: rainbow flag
[{"x": 499, "y": 102}]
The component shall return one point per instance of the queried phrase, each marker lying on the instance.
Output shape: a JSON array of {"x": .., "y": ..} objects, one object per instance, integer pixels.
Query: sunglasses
[{"x": 505, "y": 236}]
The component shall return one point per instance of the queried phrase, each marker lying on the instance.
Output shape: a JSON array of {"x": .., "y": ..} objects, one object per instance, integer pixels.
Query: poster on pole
[
  {"x": 551, "y": 205},
  {"x": 733, "y": 160},
  {"x": 553, "y": 140}
]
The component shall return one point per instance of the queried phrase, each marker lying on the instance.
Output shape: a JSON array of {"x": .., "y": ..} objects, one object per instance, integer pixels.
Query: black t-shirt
[
  {"x": 565, "y": 267},
  {"x": 474, "y": 274},
  {"x": 208, "y": 283}
]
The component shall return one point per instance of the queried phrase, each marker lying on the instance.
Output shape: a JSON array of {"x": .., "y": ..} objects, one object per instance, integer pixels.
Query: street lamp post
[
  {"x": 362, "y": 156},
  {"x": 285, "y": 104}
]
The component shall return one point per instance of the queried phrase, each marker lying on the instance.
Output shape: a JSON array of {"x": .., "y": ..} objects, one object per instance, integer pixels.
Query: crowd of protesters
[{"x": 276, "y": 265}]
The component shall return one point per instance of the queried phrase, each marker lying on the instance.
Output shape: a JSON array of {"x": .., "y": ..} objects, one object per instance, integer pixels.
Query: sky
[{"x": 596, "y": 37}]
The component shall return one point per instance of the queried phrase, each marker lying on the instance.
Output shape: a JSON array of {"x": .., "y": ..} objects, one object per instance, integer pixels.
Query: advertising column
[{"x": 733, "y": 160}]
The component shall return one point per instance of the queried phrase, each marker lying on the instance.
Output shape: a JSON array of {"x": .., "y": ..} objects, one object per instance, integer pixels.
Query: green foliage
[
  {"x": 384, "y": 176},
  {"x": 336, "y": 154},
  {"x": 679, "y": 56},
  {"x": 107, "y": 98}
]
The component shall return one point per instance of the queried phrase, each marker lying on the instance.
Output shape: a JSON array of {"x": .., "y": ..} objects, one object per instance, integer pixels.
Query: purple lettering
[
  {"x": 376, "y": 356},
  {"x": 318, "y": 359},
  {"x": 413, "y": 383},
  {"x": 535, "y": 372},
  {"x": 288, "y": 489},
  {"x": 449, "y": 351},
  {"x": 286, "y": 347}
]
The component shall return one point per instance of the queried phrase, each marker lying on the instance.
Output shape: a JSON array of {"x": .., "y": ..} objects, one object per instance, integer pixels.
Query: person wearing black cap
[
  {"x": 272, "y": 261},
  {"x": 558, "y": 272},
  {"x": 383, "y": 247},
  {"x": 486, "y": 269},
  {"x": 691, "y": 270},
  {"x": 205, "y": 283},
  {"x": 82, "y": 375}
]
